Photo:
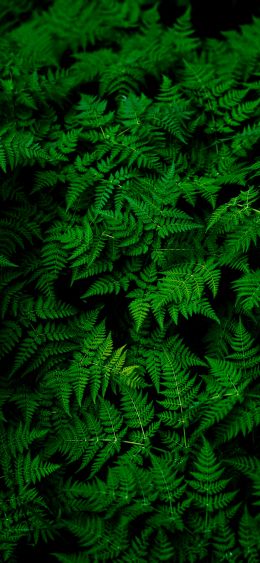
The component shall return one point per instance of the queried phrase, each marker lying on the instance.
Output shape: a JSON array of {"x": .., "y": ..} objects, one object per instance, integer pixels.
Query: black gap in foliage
[
  {"x": 227, "y": 193},
  {"x": 169, "y": 11},
  {"x": 193, "y": 330},
  {"x": 27, "y": 550},
  {"x": 68, "y": 294},
  {"x": 254, "y": 257},
  {"x": 67, "y": 59},
  {"x": 115, "y": 307},
  {"x": 210, "y": 18},
  {"x": 225, "y": 292}
]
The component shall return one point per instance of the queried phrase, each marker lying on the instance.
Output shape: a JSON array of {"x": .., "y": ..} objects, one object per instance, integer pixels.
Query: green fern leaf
[
  {"x": 248, "y": 291},
  {"x": 139, "y": 307}
]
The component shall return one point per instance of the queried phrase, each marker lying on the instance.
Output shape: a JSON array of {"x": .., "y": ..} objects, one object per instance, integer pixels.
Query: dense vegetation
[{"x": 130, "y": 285}]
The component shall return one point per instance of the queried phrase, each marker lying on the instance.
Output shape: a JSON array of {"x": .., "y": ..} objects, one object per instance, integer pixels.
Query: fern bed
[{"x": 130, "y": 286}]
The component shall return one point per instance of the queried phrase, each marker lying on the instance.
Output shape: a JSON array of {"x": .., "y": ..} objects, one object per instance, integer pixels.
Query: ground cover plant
[{"x": 130, "y": 283}]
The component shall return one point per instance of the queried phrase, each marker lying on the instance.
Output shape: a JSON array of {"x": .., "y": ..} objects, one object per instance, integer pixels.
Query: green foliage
[
  {"x": 129, "y": 281},
  {"x": 209, "y": 490}
]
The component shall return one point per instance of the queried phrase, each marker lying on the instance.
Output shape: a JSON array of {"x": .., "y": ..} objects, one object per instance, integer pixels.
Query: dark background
[{"x": 210, "y": 17}]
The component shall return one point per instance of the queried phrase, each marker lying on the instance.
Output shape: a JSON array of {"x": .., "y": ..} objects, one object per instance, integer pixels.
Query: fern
[
  {"x": 248, "y": 537},
  {"x": 163, "y": 548},
  {"x": 30, "y": 470},
  {"x": 209, "y": 490},
  {"x": 129, "y": 283},
  {"x": 248, "y": 288}
]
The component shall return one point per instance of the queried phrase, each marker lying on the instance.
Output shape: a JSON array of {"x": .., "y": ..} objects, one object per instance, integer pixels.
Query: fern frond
[
  {"x": 163, "y": 548},
  {"x": 248, "y": 291},
  {"x": 208, "y": 489},
  {"x": 136, "y": 409},
  {"x": 249, "y": 537},
  {"x": 30, "y": 470}
]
